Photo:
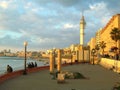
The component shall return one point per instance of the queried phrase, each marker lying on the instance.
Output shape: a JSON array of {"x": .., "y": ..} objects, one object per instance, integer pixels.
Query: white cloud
[
  {"x": 4, "y": 4},
  {"x": 99, "y": 9},
  {"x": 69, "y": 26},
  {"x": 40, "y": 40},
  {"x": 7, "y": 4},
  {"x": 98, "y": 14},
  {"x": 30, "y": 6},
  {"x": 48, "y": 23},
  {"x": 98, "y": 6}
]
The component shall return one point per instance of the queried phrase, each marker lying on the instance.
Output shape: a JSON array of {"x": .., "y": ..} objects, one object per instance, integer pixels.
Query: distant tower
[{"x": 82, "y": 27}]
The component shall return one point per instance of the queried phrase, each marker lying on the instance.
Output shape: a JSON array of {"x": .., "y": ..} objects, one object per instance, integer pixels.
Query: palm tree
[
  {"x": 97, "y": 47},
  {"x": 102, "y": 46},
  {"x": 115, "y": 35}
]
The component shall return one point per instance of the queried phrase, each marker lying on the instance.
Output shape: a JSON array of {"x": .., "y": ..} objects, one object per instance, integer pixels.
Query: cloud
[
  {"x": 4, "y": 4},
  {"x": 67, "y": 2},
  {"x": 51, "y": 23},
  {"x": 69, "y": 26},
  {"x": 99, "y": 13},
  {"x": 98, "y": 6}
]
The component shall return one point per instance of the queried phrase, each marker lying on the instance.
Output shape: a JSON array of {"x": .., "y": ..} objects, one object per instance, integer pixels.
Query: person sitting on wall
[
  {"x": 35, "y": 64},
  {"x": 9, "y": 69},
  {"x": 32, "y": 64}
]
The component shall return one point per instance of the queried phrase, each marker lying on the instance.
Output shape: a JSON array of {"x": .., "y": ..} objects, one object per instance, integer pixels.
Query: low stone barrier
[
  {"x": 35, "y": 69},
  {"x": 10, "y": 75},
  {"x": 13, "y": 74},
  {"x": 7, "y": 76},
  {"x": 110, "y": 64}
]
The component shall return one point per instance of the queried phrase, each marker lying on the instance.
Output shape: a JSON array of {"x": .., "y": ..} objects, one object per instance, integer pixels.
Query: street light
[
  {"x": 71, "y": 57},
  {"x": 25, "y": 44},
  {"x": 93, "y": 52},
  {"x": 54, "y": 57}
]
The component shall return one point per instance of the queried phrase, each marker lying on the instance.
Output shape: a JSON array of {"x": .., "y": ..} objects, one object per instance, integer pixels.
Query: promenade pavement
[{"x": 98, "y": 78}]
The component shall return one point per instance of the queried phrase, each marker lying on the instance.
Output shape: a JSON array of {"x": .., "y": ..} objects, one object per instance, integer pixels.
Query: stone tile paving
[{"x": 98, "y": 78}]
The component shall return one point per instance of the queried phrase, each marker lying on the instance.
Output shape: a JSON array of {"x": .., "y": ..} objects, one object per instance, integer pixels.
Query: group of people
[
  {"x": 116, "y": 56},
  {"x": 31, "y": 64}
]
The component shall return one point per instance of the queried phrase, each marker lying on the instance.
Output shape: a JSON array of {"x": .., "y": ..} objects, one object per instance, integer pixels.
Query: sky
[{"x": 47, "y": 24}]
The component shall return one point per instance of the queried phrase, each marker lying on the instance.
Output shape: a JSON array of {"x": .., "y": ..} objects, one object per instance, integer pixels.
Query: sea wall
[
  {"x": 7, "y": 76},
  {"x": 14, "y": 74},
  {"x": 110, "y": 64}
]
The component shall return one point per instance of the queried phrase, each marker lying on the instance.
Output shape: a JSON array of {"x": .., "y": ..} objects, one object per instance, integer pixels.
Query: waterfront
[
  {"x": 98, "y": 78},
  {"x": 16, "y": 63}
]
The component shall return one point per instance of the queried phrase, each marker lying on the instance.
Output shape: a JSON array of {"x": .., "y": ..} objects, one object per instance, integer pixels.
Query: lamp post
[
  {"x": 54, "y": 58},
  {"x": 25, "y": 45},
  {"x": 71, "y": 57},
  {"x": 93, "y": 52}
]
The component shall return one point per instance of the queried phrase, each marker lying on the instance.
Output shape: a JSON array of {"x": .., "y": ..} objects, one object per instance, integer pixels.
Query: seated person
[{"x": 9, "y": 69}]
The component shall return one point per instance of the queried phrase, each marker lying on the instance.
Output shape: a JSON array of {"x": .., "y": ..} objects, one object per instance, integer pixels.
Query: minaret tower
[{"x": 82, "y": 27}]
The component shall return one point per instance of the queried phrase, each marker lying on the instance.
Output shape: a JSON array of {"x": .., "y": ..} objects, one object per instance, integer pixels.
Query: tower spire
[{"x": 82, "y": 27}]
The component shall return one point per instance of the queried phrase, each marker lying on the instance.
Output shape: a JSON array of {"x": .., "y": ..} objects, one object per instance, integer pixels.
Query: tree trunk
[
  {"x": 119, "y": 46},
  {"x": 103, "y": 52},
  {"x": 116, "y": 43}
]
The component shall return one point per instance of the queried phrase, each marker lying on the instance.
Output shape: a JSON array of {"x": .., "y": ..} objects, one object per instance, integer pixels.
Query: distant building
[
  {"x": 98, "y": 36},
  {"x": 22, "y": 54},
  {"x": 7, "y": 53},
  {"x": 74, "y": 47},
  {"x": 1, "y": 54},
  {"x": 66, "y": 51},
  {"x": 92, "y": 43},
  {"x": 104, "y": 34}
]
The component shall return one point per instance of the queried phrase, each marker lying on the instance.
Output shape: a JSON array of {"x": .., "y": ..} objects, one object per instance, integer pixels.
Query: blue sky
[{"x": 47, "y": 24}]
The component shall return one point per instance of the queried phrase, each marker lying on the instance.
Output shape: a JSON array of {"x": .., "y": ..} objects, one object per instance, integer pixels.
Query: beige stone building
[
  {"x": 98, "y": 36},
  {"x": 105, "y": 32},
  {"x": 92, "y": 43}
]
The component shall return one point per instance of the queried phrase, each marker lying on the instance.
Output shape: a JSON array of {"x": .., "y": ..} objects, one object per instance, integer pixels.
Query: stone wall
[
  {"x": 110, "y": 64},
  {"x": 7, "y": 76},
  {"x": 14, "y": 74}
]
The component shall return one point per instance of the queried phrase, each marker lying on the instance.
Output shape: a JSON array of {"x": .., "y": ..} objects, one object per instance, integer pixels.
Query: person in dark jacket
[
  {"x": 35, "y": 64},
  {"x": 9, "y": 69}
]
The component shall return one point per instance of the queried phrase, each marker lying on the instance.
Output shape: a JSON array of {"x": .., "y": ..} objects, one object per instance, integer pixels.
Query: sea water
[{"x": 16, "y": 63}]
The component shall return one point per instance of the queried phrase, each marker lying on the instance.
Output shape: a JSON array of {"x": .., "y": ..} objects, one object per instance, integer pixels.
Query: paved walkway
[{"x": 99, "y": 79}]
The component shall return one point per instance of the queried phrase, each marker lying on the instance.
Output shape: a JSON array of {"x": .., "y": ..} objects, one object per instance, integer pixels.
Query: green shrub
[{"x": 77, "y": 75}]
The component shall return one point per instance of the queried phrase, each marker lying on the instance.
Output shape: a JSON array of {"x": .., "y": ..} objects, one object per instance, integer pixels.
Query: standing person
[
  {"x": 117, "y": 56},
  {"x": 9, "y": 69}
]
